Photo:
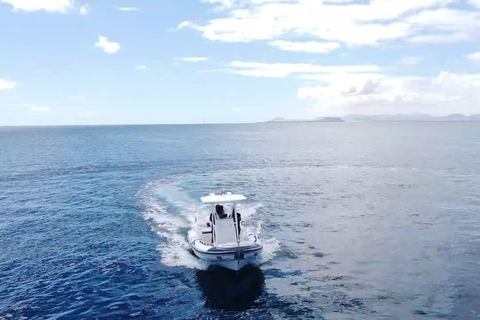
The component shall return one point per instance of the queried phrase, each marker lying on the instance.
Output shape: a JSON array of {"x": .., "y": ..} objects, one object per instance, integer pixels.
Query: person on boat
[
  {"x": 221, "y": 213},
  {"x": 239, "y": 219}
]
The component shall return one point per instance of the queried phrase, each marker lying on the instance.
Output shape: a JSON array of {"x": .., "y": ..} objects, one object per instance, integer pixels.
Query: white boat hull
[{"x": 233, "y": 258}]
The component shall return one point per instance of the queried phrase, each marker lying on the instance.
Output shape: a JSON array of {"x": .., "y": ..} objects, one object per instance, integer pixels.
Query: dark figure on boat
[
  {"x": 220, "y": 211},
  {"x": 239, "y": 219}
]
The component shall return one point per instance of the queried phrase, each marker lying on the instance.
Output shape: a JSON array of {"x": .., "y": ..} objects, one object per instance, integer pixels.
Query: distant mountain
[
  {"x": 320, "y": 119},
  {"x": 388, "y": 117},
  {"x": 453, "y": 117},
  {"x": 329, "y": 119},
  {"x": 408, "y": 117},
  {"x": 414, "y": 117},
  {"x": 278, "y": 119}
]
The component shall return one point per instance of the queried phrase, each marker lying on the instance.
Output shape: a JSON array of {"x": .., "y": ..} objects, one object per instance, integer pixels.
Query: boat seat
[
  {"x": 206, "y": 230},
  {"x": 225, "y": 232}
]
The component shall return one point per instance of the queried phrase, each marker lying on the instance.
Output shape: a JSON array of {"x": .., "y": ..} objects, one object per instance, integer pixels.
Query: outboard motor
[{"x": 239, "y": 254}]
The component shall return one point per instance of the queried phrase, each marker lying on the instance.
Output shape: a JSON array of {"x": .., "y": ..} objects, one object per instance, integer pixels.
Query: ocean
[{"x": 359, "y": 221}]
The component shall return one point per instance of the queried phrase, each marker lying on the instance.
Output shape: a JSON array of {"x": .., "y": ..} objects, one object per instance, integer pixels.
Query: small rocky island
[
  {"x": 320, "y": 119},
  {"x": 414, "y": 117}
]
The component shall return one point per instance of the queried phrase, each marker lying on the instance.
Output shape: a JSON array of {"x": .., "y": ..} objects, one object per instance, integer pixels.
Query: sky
[{"x": 75, "y": 62}]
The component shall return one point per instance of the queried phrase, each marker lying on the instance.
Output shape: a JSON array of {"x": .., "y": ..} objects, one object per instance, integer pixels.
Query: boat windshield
[{"x": 223, "y": 211}]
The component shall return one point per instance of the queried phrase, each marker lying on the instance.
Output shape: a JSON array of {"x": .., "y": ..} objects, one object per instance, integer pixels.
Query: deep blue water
[{"x": 360, "y": 221}]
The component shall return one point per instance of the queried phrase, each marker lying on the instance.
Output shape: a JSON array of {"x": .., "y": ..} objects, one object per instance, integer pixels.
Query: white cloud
[
  {"x": 107, "y": 46},
  {"x": 237, "y": 110},
  {"x": 475, "y": 3},
  {"x": 360, "y": 93},
  {"x": 84, "y": 10},
  {"x": 21, "y": 105},
  {"x": 409, "y": 61},
  {"x": 348, "y": 22},
  {"x": 449, "y": 25},
  {"x": 442, "y": 38},
  {"x": 6, "y": 84},
  {"x": 40, "y": 109},
  {"x": 128, "y": 9},
  {"x": 78, "y": 97},
  {"x": 337, "y": 1},
  {"x": 309, "y": 46},
  {"x": 193, "y": 59},
  {"x": 221, "y": 4},
  {"x": 88, "y": 113},
  {"x": 141, "y": 67},
  {"x": 47, "y": 5},
  {"x": 475, "y": 56},
  {"x": 343, "y": 89},
  {"x": 184, "y": 24},
  {"x": 282, "y": 70},
  {"x": 31, "y": 107}
]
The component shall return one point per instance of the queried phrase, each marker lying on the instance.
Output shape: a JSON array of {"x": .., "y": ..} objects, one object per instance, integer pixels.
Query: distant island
[
  {"x": 409, "y": 117},
  {"x": 321, "y": 119},
  {"x": 414, "y": 117}
]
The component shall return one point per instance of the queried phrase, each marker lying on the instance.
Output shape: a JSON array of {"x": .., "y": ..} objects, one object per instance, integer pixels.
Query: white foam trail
[
  {"x": 254, "y": 226},
  {"x": 248, "y": 210},
  {"x": 270, "y": 248},
  {"x": 172, "y": 219},
  {"x": 176, "y": 253}
]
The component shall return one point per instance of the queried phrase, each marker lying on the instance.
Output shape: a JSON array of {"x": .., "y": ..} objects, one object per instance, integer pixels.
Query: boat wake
[{"x": 171, "y": 212}]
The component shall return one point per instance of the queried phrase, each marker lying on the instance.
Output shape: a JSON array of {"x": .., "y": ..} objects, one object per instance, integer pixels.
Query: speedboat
[{"x": 219, "y": 237}]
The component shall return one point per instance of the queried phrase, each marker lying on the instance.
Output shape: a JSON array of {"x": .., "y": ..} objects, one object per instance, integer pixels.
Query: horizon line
[{"x": 256, "y": 122}]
